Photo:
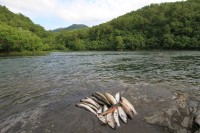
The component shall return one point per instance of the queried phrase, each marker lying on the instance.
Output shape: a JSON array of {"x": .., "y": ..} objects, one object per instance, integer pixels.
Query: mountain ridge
[{"x": 71, "y": 27}]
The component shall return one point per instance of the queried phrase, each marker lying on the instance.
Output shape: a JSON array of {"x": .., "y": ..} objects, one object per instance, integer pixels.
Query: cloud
[{"x": 89, "y": 12}]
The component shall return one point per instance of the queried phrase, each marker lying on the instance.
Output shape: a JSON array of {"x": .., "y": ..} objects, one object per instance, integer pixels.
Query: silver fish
[
  {"x": 105, "y": 108},
  {"x": 89, "y": 100},
  {"x": 91, "y": 106},
  {"x": 102, "y": 118},
  {"x": 111, "y": 109},
  {"x": 117, "y": 97},
  {"x": 103, "y": 97},
  {"x": 98, "y": 101},
  {"x": 127, "y": 109},
  {"x": 86, "y": 107},
  {"x": 110, "y": 120},
  {"x": 122, "y": 114},
  {"x": 124, "y": 100},
  {"x": 110, "y": 98},
  {"x": 116, "y": 117},
  {"x": 99, "y": 111}
]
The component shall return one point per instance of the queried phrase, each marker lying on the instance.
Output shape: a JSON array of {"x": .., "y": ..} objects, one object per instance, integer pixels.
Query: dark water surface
[{"x": 29, "y": 85}]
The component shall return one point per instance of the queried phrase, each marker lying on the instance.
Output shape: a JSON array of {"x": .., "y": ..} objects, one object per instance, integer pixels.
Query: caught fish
[
  {"x": 108, "y": 108},
  {"x": 105, "y": 108},
  {"x": 102, "y": 118},
  {"x": 116, "y": 117},
  {"x": 110, "y": 98},
  {"x": 89, "y": 100},
  {"x": 91, "y": 106},
  {"x": 124, "y": 100},
  {"x": 111, "y": 109},
  {"x": 103, "y": 97},
  {"x": 117, "y": 97},
  {"x": 122, "y": 114},
  {"x": 110, "y": 120},
  {"x": 86, "y": 107},
  {"x": 100, "y": 99},
  {"x": 127, "y": 109},
  {"x": 99, "y": 111}
]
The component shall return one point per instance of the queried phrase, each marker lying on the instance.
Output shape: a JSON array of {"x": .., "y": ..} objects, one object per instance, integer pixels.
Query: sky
[{"x": 52, "y": 14}]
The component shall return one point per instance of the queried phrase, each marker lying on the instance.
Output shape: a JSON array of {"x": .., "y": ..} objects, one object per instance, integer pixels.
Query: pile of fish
[{"x": 109, "y": 108}]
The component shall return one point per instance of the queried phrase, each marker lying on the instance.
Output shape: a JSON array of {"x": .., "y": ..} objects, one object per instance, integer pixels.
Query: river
[{"x": 38, "y": 93}]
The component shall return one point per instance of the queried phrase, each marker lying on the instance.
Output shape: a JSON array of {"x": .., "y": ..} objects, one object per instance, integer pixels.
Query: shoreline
[
  {"x": 41, "y": 53},
  {"x": 152, "y": 102}
]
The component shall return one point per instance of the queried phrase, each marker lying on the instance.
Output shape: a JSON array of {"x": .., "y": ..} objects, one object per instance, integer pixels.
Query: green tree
[{"x": 119, "y": 43}]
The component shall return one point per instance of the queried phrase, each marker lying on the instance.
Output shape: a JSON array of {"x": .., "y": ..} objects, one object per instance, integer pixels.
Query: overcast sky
[{"x": 53, "y": 14}]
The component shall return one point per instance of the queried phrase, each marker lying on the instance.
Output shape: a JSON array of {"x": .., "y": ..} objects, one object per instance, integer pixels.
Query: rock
[
  {"x": 198, "y": 112},
  {"x": 47, "y": 130},
  {"x": 170, "y": 112},
  {"x": 174, "y": 97},
  {"x": 144, "y": 98},
  {"x": 197, "y": 120},
  {"x": 182, "y": 98},
  {"x": 182, "y": 130},
  {"x": 161, "y": 100},
  {"x": 155, "y": 119},
  {"x": 193, "y": 106},
  {"x": 186, "y": 122}
]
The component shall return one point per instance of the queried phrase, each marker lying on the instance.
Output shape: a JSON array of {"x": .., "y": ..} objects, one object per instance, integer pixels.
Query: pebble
[
  {"x": 183, "y": 130},
  {"x": 162, "y": 100},
  {"x": 174, "y": 97},
  {"x": 193, "y": 106},
  {"x": 186, "y": 122},
  {"x": 197, "y": 120}
]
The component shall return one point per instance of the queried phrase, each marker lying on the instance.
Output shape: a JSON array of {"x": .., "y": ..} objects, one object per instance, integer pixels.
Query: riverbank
[
  {"x": 39, "y": 94},
  {"x": 25, "y": 53},
  {"x": 155, "y": 104},
  {"x": 40, "y": 53}
]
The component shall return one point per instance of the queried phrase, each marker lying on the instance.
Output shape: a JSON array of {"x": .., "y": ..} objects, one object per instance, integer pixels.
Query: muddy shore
[{"x": 156, "y": 104}]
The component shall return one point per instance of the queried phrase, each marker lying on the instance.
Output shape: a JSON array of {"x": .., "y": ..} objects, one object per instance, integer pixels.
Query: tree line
[
  {"x": 157, "y": 26},
  {"x": 19, "y": 33}
]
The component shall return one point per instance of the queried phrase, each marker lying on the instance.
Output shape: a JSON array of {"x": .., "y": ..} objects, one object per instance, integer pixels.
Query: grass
[{"x": 25, "y": 53}]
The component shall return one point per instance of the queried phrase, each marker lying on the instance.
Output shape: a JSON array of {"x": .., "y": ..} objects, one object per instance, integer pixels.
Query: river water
[{"x": 30, "y": 82}]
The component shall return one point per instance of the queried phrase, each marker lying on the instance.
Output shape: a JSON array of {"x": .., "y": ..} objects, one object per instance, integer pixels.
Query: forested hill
[
  {"x": 71, "y": 27},
  {"x": 157, "y": 26},
  {"x": 19, "y": 33},
  {"x": 19, "y": 20}
]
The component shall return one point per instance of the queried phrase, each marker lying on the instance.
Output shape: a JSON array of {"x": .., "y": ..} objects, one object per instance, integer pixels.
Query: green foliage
[
  {"x": 157, "y": 26},
  {"x": 17, "y": 39},
  {"x": 19, "y": 33},
  {"x": 119, "y": 43}
]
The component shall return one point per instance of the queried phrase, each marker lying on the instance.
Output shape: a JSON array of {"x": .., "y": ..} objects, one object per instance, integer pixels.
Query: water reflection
[{"x": 26, "y": 82}]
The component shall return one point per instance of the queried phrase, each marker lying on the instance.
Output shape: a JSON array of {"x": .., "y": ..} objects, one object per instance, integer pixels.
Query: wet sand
[{"x": 61, "y": 115}]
